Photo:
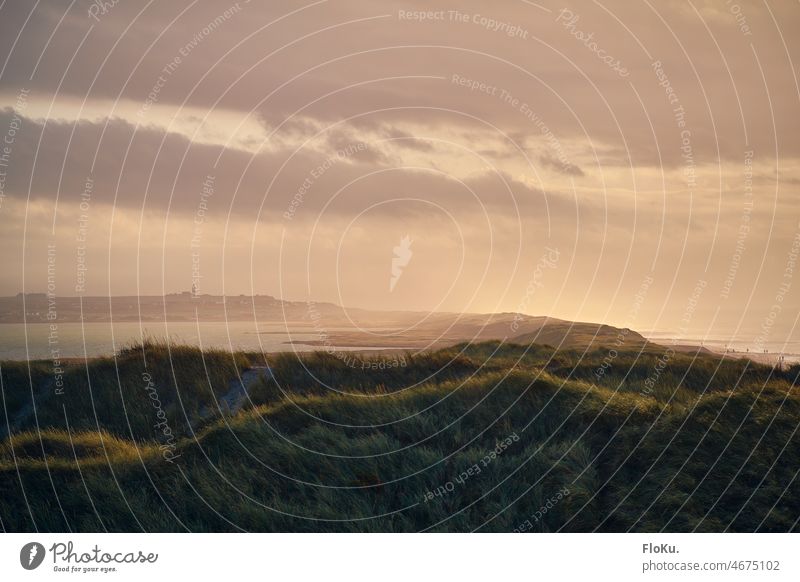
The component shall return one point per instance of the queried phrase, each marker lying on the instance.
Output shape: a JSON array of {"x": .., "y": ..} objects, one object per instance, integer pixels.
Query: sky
[{"x": 628, "y": 163}]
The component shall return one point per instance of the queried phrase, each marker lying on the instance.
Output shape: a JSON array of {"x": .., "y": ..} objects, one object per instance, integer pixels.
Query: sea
[
  {"x": 768, "y": 351},
  {"x": 34, "y": 341}
]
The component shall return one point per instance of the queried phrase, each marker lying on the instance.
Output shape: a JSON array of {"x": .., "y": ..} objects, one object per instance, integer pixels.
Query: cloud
[
  {"x": 357, "y": 120},
  {"x": 566, "y": 168}
]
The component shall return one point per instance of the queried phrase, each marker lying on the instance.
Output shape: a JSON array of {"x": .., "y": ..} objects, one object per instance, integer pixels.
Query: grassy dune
[{"x": 489, "y": 437}]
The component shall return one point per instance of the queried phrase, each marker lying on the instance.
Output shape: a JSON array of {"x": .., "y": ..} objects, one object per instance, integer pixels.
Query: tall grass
[{"x": 326, "y": 446}]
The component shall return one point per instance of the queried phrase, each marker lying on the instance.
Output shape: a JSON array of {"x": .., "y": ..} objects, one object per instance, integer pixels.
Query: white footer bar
[{"x": 402, "y": 557}]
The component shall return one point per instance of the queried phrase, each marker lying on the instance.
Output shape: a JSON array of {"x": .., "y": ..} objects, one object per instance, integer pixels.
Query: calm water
[
  {"x": 790, "y": 349},
  {"x": 100, "y": 339}
]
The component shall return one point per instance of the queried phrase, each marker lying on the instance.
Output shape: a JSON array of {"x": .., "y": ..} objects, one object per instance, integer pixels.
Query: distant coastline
[{"x": 96, "y": 326}]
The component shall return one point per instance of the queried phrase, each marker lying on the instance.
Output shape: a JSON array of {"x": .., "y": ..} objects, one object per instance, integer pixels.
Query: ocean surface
[
  {"x": 789, "y": 349},
  {"x": 19, "y": 341}
]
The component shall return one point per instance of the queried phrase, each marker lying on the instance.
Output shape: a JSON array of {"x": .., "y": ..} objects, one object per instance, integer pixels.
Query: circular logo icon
[{"x": 31, "y": 555}]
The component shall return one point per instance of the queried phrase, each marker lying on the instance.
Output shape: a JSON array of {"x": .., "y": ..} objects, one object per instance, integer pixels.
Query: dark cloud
[
  {"x": 279, "y": 67},
  {"x": 563, "y": 167}
]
